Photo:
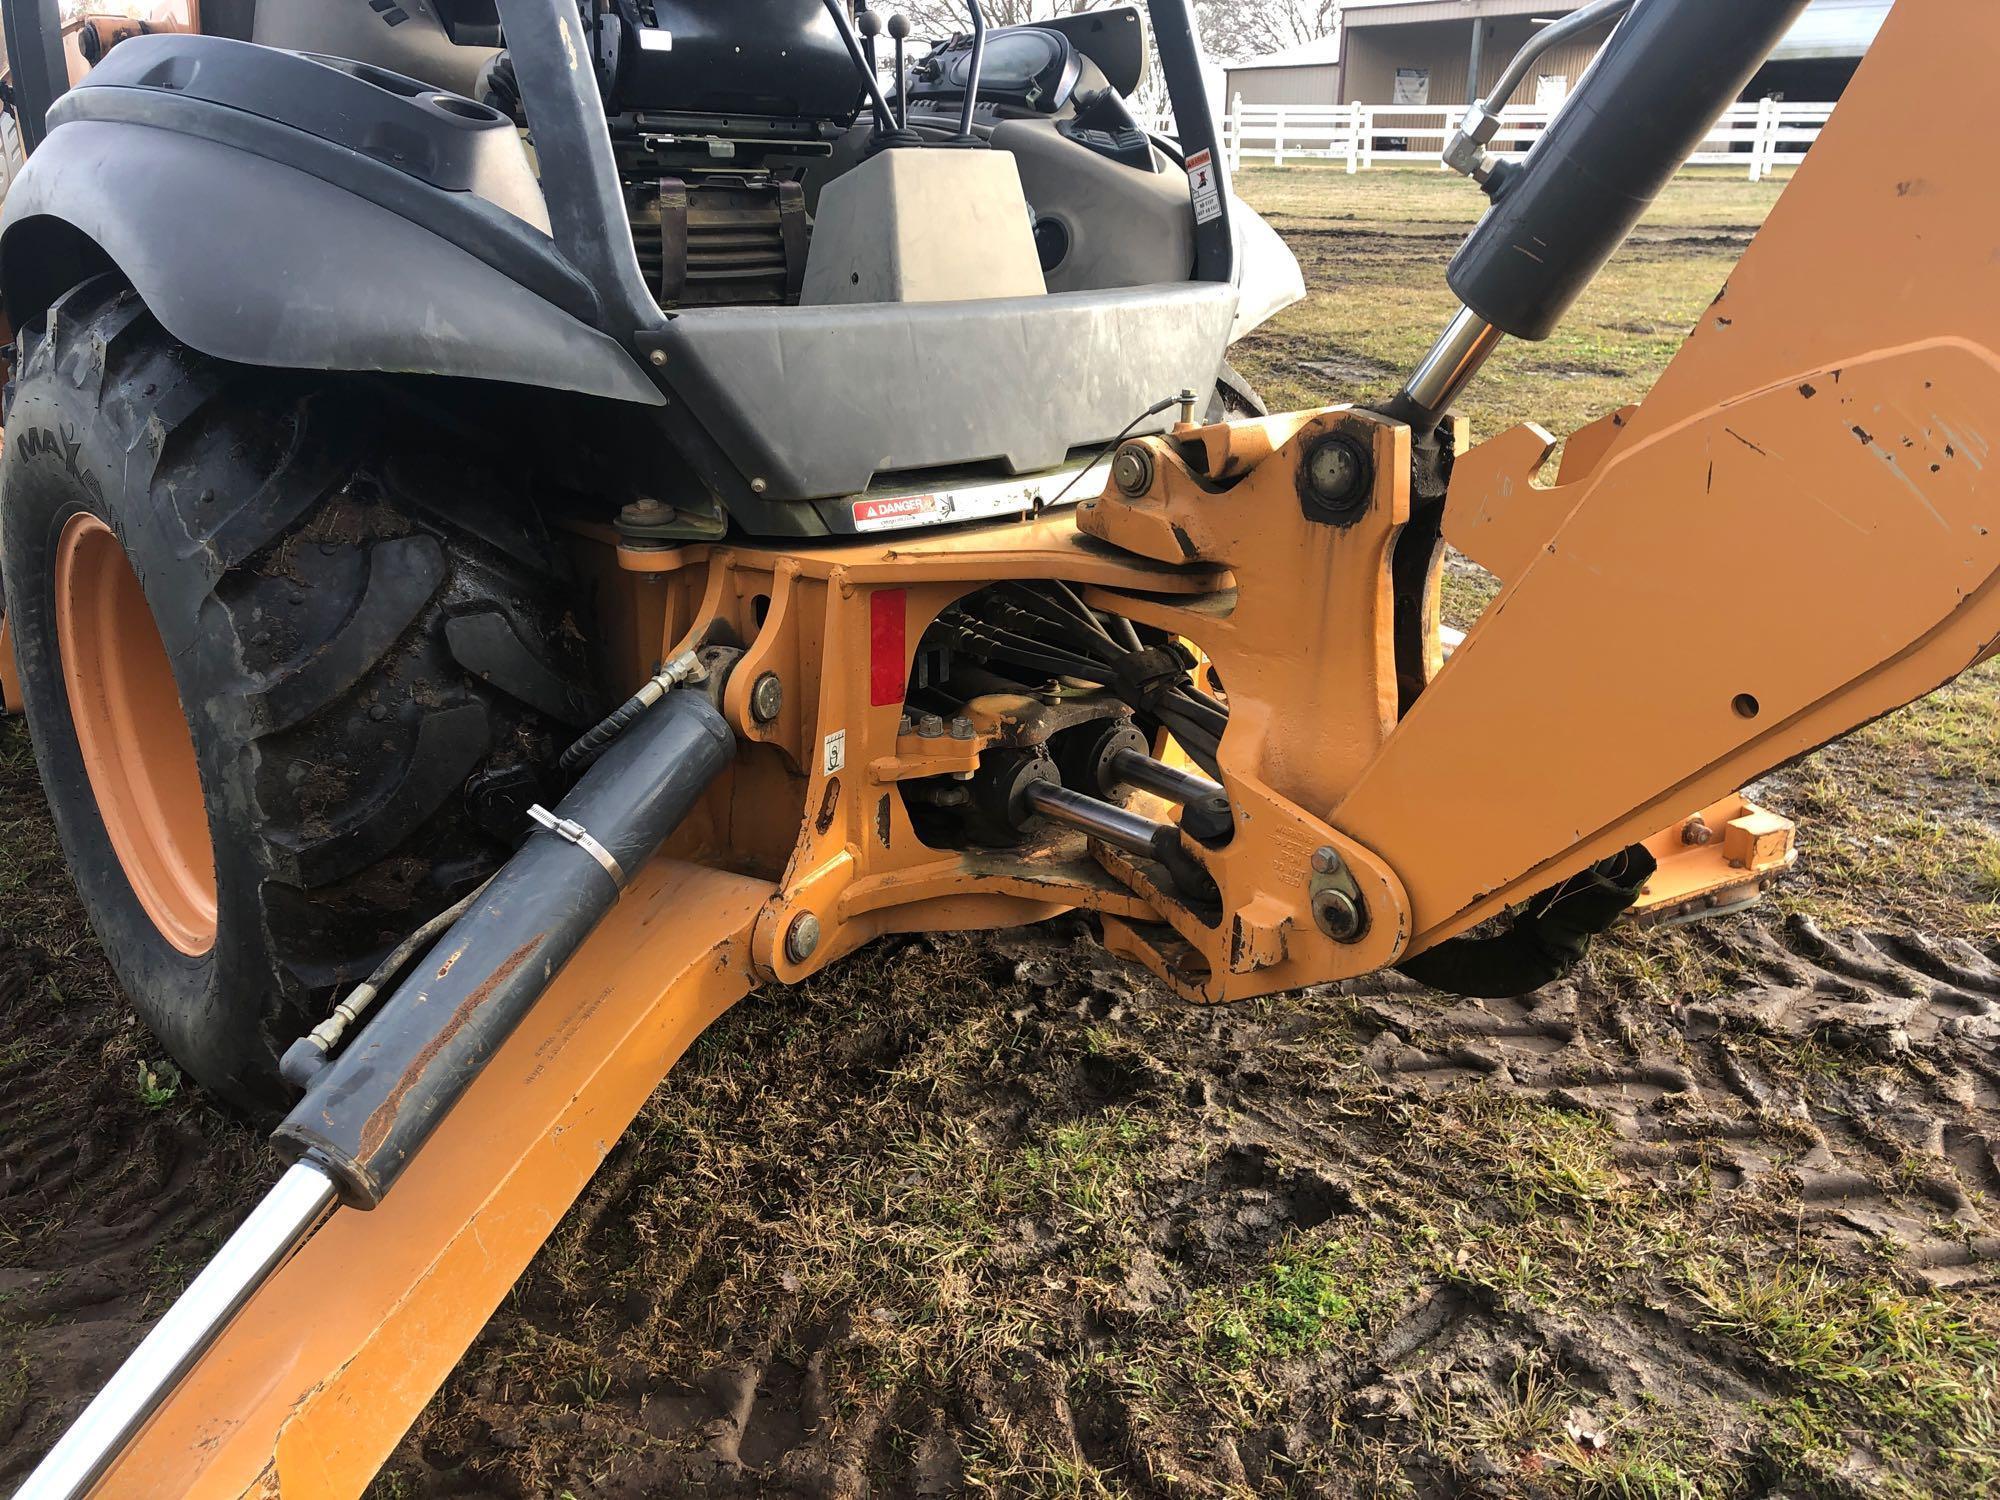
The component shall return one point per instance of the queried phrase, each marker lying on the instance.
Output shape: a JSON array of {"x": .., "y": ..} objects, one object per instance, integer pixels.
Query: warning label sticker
[
  {"x": 900, "y": 510},
  {"x": 1202, "y": 187},
  {"x": 833, "y": 753}
]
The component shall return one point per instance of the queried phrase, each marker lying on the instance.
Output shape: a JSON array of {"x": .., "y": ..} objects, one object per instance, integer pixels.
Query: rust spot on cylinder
[{"x": 375, "y": 1129}]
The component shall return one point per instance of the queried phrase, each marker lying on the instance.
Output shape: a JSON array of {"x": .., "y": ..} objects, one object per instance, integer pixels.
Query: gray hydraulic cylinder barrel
[
  {"x": 1643, "y": 106},
  {"x": 376, "y": 1104}
]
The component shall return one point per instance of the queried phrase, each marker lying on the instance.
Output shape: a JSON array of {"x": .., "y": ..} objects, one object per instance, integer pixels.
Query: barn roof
[
  {"x": 1314, "y": 54},
  {"x": 1829, "y": 28}
]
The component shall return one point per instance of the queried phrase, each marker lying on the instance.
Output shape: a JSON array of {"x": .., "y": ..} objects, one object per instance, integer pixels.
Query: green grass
[
  {"x": 1915, "y": 1378},
  {"x": 1374, "y": 249},
  {"x": 1315, "y": 1293},
  {"x": 1900, "y": 822}
]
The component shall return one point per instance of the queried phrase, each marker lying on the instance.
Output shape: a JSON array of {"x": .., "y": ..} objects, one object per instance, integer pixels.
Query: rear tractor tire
[{"x": 294, "y": 662}]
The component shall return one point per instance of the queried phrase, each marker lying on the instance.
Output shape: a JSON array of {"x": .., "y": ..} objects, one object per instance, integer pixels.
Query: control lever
[
  {"x": 973, "y": 70},
  {"x": 841, "y": 23},
  {"x": 869, "y": 24},
  {"x": 899, "y": 32}
]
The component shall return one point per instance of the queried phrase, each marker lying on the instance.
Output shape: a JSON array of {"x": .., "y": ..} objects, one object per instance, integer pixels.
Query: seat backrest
[{"x": 771, "y": 58}]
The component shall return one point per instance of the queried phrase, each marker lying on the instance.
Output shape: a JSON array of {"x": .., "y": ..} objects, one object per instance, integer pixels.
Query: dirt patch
[
  {"x": 997, "y": 1215},
  {"x": 117, "y": 1180}
]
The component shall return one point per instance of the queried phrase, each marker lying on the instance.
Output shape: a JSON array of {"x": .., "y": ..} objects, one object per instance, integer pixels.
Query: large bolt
[
  {"x": 767, "y": 698},
  {"x": 646, "y": 512},
  {"x": 1334, "y": 470},
  {"x": 802, "y": 938},
  {"x": 1132, "y": 469},
  {"x": 930, "y": 727},
  {"x": 1326, "y": 860},
  {"x": 1338, "y": 917},
  {"x": 961, "y": 728}
]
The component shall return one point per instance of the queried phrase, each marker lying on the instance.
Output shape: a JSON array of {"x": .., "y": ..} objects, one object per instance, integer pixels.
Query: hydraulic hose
[
  {"x": 376, "y": 1104},
  {"x": 306, "y": 1058},
  {"x": 1545, "y": 941},
  {"x": 1644, "y": 105},
  {"x": 682, "y": 669}
]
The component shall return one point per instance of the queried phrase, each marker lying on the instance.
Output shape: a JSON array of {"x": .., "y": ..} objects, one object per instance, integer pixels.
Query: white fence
[{"x": 1757, "y": 137}]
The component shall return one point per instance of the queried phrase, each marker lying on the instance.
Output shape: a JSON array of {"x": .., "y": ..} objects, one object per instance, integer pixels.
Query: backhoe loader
[{"x": 509, "y": 554}]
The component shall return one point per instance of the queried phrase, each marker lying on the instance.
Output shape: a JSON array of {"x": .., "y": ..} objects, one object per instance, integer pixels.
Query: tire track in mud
[
  {"x": 665, "y": 1344},
  {"x": 1288, "y": 1124},
  {"x": 1883, "y": 997},
  {"x": 108, "y": 1205}
]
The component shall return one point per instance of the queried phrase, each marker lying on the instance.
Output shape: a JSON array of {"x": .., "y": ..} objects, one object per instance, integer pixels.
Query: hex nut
[
  {"x": 930, "y": 727},
  {"x": 802, "y": 938},
  {"x": 767, "y": 698},
  {"x": 646, "y": 512},
  {"x": 1326, "y": 860}
]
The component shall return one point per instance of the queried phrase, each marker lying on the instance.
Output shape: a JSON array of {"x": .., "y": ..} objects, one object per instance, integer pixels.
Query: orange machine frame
[{"x": 1789, "y": 538}]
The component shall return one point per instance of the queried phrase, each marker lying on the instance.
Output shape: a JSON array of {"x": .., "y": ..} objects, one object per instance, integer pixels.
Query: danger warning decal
[
  {"x": 1202, "y": 187},
  {"x": 901, "y": 510},
  {"x": 982, "y": 500}
]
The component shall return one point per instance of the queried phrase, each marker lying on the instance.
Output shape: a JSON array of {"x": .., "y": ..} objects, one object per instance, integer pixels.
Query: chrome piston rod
[
  {"x": 1162, "y": 780},
  {"x": 1103, "y": 821},
  {"x": 289, "y": 1214},
  {"x": 1448, "y": 369}
]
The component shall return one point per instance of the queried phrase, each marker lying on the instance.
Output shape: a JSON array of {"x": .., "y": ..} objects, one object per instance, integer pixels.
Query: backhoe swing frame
[{"x": 1853, "y": 447}]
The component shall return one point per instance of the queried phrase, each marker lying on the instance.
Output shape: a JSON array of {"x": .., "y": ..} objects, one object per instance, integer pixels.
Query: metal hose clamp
[{"x": 574, "y": 832}]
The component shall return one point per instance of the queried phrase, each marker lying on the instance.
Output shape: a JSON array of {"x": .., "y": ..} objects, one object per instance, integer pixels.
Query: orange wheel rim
[{"x": 137, "y": 748}]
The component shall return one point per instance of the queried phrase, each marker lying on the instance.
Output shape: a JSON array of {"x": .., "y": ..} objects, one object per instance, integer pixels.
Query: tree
[
  {"x": 943, "y": 18},
  {"x": 1229, "y": 28},
  {"x": 1236, "y": 29}
]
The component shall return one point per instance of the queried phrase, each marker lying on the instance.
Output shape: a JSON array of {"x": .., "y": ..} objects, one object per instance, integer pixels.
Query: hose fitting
[{"x": 685, "y": 668}]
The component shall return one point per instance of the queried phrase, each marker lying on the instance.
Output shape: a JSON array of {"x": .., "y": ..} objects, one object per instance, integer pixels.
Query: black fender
[{"x": 269, "y": 241}]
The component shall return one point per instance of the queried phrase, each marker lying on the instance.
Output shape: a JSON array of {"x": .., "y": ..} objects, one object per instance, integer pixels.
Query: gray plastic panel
[
  {"x": 816, "y": 401},
  {"x": 317, "y": 278}
]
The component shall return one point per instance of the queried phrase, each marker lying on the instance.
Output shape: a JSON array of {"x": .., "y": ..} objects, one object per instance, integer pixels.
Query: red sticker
[
  {"x": 887, "y": 664},
  {"x": 899, "y": 510}
]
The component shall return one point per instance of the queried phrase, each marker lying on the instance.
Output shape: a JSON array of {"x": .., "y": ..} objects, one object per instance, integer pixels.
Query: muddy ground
[{"x": 1720, "y": 1216}]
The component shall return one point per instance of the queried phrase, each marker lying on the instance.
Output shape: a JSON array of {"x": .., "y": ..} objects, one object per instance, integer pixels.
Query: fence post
[
  {"x": 1763, "y": 142},
  {"x": 1278, "y": 137},
  {"x": 1353, "y": 138},
  {"x": 1234, "y": 152},
  {"x": 1367, "y": 118}
]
